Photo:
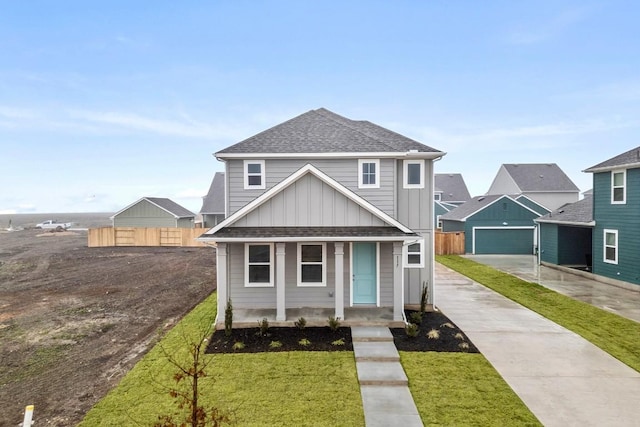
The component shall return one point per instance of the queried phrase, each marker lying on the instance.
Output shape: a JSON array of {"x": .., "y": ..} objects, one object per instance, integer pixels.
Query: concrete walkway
[
  {"x": 561, "y": 377},
  {"x": 383, "y": 384}
]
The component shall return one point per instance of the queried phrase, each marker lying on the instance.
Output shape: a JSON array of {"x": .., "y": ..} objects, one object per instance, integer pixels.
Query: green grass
[
  {"x": 614, "y": 334},
  {"x": 462, "y": 389},
  {"x": 286, "y": 389}
]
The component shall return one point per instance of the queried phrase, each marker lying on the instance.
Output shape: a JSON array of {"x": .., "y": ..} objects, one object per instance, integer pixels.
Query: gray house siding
[
  {"x": 624, "y": 218},
  {"x": 241, "y": 296},
  {"x": 145, "y": 214},
  {"x": 344, "y": 171}
]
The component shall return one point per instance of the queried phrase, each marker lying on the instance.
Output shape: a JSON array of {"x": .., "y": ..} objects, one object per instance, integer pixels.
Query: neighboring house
[
  {"x": 213, "y": 203},
  {"x": 154, "y": 212},
  {"x": 450, "y": 188},
  {"x": 326, "y": 212},
  {"x": 616, "y": 212},
  {"x": 496, "y": 224},
  {"x": 565, "y": 235},
  {"x": 544, "y": 183},
  {"x": 439, "y": 209}
]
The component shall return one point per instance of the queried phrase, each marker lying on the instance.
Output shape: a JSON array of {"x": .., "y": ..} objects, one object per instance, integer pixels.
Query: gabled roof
[
  {"x": 539, "y": 177},
  {"x": 578, "y": 213},
  {"x": 476, "y": 204},
  {"x": 452, "y": 187},
  {"x": 165, "y": 204},
  {"x": 307, "y": 169},
  {"x": 323, "y": 132},
  {"x": 213, "y": 202},
  {"x": 629, "y": 159}
]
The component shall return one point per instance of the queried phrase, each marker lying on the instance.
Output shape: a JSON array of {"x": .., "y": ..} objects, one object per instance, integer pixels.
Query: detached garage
[
  {"x": 496, "y": 224},
  {"x": 154, "y": 212}
]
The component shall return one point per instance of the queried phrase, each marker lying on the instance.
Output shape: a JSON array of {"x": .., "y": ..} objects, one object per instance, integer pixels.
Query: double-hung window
[
  {"x": 254, "y": 175},
  {"x": 618, "y": 187},
  {"x": 413, "y": 174},
  {"x": 611, "y": 246},
  {"x": 414, "y": 255},
  {"x": 312, "y": 260},
  {"x": 369, "y": 173},
  {"x": 258, "y": 265}
]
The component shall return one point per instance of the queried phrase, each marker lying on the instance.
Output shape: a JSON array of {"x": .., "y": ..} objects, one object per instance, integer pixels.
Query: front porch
[{"x": 353, "y": 316}]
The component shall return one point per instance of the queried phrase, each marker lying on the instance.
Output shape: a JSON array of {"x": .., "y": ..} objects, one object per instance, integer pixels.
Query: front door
[{"x": 364, "y": 273}]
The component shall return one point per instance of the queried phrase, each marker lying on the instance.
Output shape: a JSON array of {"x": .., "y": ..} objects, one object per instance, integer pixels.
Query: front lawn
[{"x": 614, "y": 334}]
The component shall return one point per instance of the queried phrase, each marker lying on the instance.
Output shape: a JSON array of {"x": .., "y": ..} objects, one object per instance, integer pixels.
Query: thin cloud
[{"x": 539, "y": 32}]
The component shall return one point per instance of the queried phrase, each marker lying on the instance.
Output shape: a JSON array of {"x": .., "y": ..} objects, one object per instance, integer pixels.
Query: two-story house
[
  {"x": 327, "y": 213},
  {"x": 616, "y": 213}
]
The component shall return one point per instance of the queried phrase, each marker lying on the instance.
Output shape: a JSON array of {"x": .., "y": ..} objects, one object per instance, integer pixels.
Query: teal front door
[{"x": 364, "y": 273}]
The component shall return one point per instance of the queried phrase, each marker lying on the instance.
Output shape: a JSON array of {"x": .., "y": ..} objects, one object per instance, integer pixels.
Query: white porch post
[
  {"x": 221, "y": 279},
  {"x": 398, "y": 282},
  {"x": 339, "y": 291},
  {"x": 280, "y": 300}
]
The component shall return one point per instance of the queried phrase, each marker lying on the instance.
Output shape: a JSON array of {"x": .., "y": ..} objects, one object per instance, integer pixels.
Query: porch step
[
  {"x": 381, "y": 374},
  {"x": 375, "y": 351},
  {"x": 371, "y": 334}
]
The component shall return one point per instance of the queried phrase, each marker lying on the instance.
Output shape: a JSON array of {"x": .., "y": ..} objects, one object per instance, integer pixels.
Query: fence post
[{"x": 28, "y": 415}]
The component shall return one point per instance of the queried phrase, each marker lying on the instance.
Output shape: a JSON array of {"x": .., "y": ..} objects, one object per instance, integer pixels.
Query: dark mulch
[{"x": 451, "y": 338}]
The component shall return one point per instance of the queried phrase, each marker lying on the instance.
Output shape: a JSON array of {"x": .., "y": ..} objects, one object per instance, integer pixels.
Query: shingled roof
[
  {"x": 630, "y": 158},
  {"x": 322, "y": 131},
  {"x": 578, "y": 213},
  {"x": 539, "y": 177},
  {"x": 452, "y": 186},
  {"x": 165, "y": 204},
  {"x": 213, "y": 202}
]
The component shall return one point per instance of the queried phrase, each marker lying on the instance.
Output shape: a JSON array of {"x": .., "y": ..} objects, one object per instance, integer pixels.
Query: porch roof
[{"x": 231, "y": 234}]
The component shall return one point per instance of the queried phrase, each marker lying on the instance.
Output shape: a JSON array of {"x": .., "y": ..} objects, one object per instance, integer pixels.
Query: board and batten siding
[
  {"x": 344, "y": 171},
  {"x": 622, "y": 217},
  {"x": 309, "y": 202},
  {"x": 146, "y": 214},
  {"x": 415, "y": 205}
]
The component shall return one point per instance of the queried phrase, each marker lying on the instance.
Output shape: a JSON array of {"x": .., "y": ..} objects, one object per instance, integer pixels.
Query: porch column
[
  {"x": 398, "y": 282},
  {"x": 280, "y": 300},
  {"x": 221, "y": 278},
  {"x": 339, "y": 292}
]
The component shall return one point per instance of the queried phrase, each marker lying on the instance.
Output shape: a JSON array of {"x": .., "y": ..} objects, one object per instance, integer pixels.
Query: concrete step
[
  {"x": 381, "y": 374},
  {"x": 371, "y": 334},
  {"x": 375, "y": 351}
]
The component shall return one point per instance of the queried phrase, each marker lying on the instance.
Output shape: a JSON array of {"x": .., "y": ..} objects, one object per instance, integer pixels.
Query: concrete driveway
[{"x": 623, "y": 302}]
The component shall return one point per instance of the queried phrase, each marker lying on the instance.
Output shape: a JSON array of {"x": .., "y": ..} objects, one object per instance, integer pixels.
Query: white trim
[
  {"x": 323, "y": 263},
  {"x": 493, "y": 202},
  {"x": 248, "y": 284},
  {"x": 246, "y": 174},
  {"x": 405, "y": 174},
  {"x": 154, "y": 204},
  {"x": 351, "y": 276},
  {"x": 604, "y": 246},
  {"x": 405, "y": 255},
  {"x": 432, "y": 155},
  {"x": 517, "y": 227},
  {"x": 624, "y": 187},
  {"x": 376, "y": 184},
  {"x": 405, "y": 239},
  {"x": 377, "y": 274},
  {"x": 308, "y": 168}
]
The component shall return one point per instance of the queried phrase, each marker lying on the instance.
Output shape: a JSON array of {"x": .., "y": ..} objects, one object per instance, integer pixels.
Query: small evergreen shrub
[
  {"x": 424, "y": 297},
  {"x": 416, "y": 317},
  {"x": 334, "y": 323},
  {"x": 264, "y": 326},
  {"x": 301, "y": 323},
  {"x": 411, "y": 329},
  {"x": 228, "y": 318}
]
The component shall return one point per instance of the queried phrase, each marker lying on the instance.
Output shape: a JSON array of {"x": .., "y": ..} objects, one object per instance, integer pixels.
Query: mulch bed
[{"x": 450, "y": 338}]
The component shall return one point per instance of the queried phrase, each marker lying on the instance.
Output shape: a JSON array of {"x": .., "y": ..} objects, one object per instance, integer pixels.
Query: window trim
[
  {"x": 246, "y": 173},
  {"x": 623, "y": 186},
  {"x": 323, "y": 264},
  {"x": 405, "y": 173},
  {"x": 616, "y": 246},
  {"x": 407, "y": 253},
  {"x": 248, "y": 284},
  {"x": 361, "y": 183}
]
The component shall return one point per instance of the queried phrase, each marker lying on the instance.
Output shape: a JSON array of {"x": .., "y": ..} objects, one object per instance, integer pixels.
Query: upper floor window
[
  {"x": 618, "y": 186},
  {"x": 369, "y": 173},
  {"x": 311, "y": 264},
  {"x": 258, "y": 265},
  {"x": 611, "y": 246},
  {"x": 414, "y": 255},
  {"x": 254, "y": 174},
  {"x": 413, "y": 174},
  {"x": 437, "y": 196}
]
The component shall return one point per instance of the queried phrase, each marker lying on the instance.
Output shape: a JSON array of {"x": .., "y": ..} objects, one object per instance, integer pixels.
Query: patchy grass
[
  {"x": 287, "y": 388},
  {"x": 462, "y": 389},
  {"x": 614, "y": 334}
]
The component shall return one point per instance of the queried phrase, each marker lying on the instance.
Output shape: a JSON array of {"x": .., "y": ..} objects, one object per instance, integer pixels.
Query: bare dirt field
[{"x": 74, "y": 320}]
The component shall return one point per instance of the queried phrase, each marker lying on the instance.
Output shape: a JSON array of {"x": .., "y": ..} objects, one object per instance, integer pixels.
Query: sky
[{"x": 102, "y": 103}]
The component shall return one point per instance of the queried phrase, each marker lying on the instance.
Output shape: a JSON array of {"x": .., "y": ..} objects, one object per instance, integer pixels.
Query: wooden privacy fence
[
  {"x": 134, "y": 236},
  {"x": 451, "y": 243}
]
